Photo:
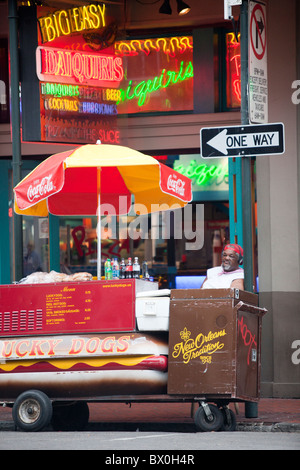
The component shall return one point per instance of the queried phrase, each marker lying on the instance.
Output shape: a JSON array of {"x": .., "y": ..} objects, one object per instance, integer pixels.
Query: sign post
[
  {"x": 246, "y": 162},
  {"x": 251, "y": 409}
]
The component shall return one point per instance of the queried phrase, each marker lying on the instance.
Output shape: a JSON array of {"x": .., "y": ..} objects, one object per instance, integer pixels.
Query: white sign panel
[{"x": 258, "y": 77}]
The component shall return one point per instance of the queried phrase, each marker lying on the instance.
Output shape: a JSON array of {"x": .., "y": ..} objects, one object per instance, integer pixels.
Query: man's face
[{"x": 230, "y": 260}]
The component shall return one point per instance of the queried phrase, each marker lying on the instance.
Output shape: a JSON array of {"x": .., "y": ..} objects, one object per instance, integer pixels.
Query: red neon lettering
[
  {"x": 109, "y": 135},
  {"x": 76, "y": 66},
  {"x": 78, "y": 242}
]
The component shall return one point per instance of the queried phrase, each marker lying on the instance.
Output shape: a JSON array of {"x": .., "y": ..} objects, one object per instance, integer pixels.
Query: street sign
[
  {"x": 240, "y": 141},
  {"x": 258, "y": 76}
]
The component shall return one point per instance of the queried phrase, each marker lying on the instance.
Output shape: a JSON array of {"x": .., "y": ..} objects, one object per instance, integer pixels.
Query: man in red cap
[{"x": 229, "y": 274}]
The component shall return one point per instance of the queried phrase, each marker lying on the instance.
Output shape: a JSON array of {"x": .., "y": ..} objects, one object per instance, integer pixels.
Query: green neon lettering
[
  {"x": 179, "y": 77},
  {"x": 128, "y": 91},
  {"x": 58, "y": 89},
  {"x": 139, "y": 90},
  {"x": 169, "y": 73},
  {"x": 143, "y": 88},
  {"x": 155, "y": 87},
  {"x": 161, "y": 78},
  {"x": 204, "y": 175}
]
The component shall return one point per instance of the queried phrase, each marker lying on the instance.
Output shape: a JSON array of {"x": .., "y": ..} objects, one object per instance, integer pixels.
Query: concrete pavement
[{"x": 274, "y": 415}]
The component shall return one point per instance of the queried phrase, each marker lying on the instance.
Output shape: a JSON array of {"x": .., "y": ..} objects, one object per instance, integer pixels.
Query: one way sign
[{"x": 239, "y": 141}]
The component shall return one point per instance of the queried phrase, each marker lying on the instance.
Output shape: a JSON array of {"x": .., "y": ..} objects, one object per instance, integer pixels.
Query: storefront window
[
  {"x": 4, "y": 82},
  {"x": 122, "y": 237},
  {"x": 35, "y": 236},
  {"x": 184, "y": 242},
  {"x": 35, "y": 245},
  {"x": 78, "y": 244}
]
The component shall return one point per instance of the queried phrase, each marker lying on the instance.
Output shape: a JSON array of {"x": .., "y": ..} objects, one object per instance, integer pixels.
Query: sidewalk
[{"x": 274, "y": 415}]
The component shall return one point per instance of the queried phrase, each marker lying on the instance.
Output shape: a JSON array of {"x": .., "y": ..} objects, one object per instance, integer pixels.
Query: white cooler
[{"x": 152, "y": 310}]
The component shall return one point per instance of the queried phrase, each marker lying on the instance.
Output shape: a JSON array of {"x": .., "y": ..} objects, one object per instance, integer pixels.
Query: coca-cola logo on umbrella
[
  {"x": 42, "y": 188},
  {"x": 174, "y": 183}
]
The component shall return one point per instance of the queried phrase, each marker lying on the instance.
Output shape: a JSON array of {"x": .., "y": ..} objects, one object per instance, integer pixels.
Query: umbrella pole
[{"x": 98, "y": 224}]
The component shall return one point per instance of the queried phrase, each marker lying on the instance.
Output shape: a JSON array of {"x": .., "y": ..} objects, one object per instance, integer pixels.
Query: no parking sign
[{"x": 258, "y": 77}]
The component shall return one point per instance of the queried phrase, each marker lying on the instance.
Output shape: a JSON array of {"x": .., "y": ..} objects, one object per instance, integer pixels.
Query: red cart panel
[{"x": 67, "y": 307}]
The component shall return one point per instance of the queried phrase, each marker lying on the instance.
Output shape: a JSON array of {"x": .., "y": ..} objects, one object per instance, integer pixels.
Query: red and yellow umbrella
[{"x": 100, "y": 179}]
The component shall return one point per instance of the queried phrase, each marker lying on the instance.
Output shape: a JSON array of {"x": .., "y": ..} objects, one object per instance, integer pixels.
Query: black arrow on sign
[{"x": 261, "y": 27}]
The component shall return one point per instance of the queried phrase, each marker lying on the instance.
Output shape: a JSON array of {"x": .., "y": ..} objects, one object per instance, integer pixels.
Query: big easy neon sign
[
  {"x": 77, "y": 67},
  {"x": 73, "y": 20}
]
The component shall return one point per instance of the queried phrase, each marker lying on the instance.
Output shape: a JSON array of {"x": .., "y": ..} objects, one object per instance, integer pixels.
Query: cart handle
[{"x": 250, "y": 308}]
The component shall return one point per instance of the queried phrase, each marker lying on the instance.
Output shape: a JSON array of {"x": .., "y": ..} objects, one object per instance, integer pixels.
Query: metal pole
[
  {"x": 251, "y": 409},
  {"x": 15, "y": 130},
  {"x": 246, "y": 161}
]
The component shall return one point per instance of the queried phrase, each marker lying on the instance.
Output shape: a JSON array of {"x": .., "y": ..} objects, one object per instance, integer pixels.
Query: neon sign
[
  {"x": 73, "y": 67},
  {"x": 204, "y": 175},
  {"x": 73, "y": 20},
  {"x": 158, "y": 74},
  {"x": 71, "y": 131},
  {"x": 166, "y": 78},
  {"x": 233, "y": 60},
  {"x": 169, "y": 46},
  {"x": 61, "y": 90}
]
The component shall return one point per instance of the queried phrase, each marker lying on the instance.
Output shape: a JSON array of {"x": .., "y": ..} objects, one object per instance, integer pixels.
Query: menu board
[{"x": 67, "y": 307}]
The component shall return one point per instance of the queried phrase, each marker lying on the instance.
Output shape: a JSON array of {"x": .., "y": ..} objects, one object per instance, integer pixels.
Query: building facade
[{"x": 167, "y": 127}]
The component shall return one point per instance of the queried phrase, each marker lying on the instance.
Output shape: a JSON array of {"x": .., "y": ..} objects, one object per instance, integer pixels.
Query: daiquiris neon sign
[
  {"x": 164, "y": 80},
  {"x": 77, "y": 67}
]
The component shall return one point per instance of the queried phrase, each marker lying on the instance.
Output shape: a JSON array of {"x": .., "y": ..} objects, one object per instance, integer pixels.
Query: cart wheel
[
  {"x": 32, "y": 411},
  {"x": 205, "y": 423},
  {"x": 70, "y": 417},
  {"x": 229, "y": 423}
]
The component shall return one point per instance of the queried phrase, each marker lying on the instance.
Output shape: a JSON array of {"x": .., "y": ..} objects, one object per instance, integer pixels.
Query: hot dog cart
[{"x": 65, "y": 344}]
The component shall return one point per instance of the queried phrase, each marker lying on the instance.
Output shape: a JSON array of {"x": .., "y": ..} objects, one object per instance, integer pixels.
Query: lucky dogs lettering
[{"x": 36, "y": 348}]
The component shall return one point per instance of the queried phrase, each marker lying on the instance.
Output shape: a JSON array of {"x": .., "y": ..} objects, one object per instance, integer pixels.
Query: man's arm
[{"x": 238, "y": 284}]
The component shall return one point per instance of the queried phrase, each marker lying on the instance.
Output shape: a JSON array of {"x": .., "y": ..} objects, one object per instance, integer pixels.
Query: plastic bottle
[
  {"x": 116, "y": 269},
  {"x": 129, "y": 269},
  {"x": 105, "y": 270},
  {"x": 136, "y": 269},
  {"x": 145, "y": 272},
  {"x": 122, "y": 269},
  {"x": 108, "y": 270}
]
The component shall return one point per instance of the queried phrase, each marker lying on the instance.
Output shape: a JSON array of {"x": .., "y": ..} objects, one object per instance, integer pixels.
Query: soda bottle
[
  {"x": 105, "y": 270},
  {"x": 129, "y": 269},
  {"x": 136, "y": 269},
  {"x": 122, "y": 269},
  {"x": 116, "y": 270},
  {"x": 108, "y": 270},
  {"x": 145, "y": 272}
]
